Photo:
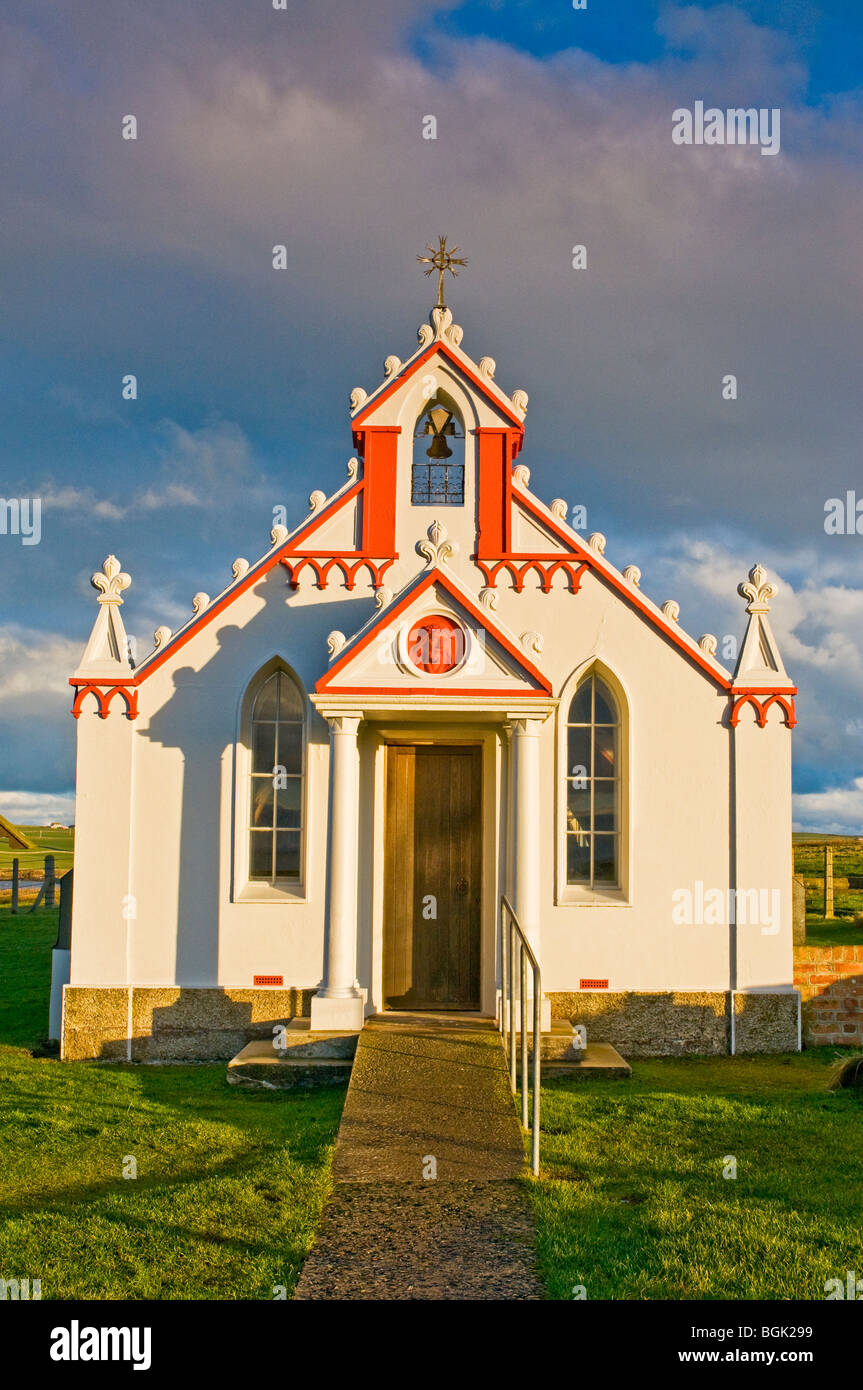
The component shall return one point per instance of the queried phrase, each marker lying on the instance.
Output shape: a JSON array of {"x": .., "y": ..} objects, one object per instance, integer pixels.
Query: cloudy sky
[{"x": 304, "y": 126}]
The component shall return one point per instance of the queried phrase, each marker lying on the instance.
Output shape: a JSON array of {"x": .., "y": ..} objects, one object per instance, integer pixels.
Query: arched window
[
  {"x": 437, "y": 478},
  {"x": 593, "y": 786},
  {"x": 277, "y": 744}
]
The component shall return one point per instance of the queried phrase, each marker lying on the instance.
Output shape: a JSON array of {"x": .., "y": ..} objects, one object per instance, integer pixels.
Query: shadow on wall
[
  {"x": 682, "y": 1023},
  {"x": 173, "y": 1024},
  {"x": 200, "y": 719}
]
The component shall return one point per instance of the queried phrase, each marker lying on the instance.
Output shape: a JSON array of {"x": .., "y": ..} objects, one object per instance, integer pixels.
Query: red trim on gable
[
  {"x": 625, "y": 590},
  {"x": 550, "y": 524},
  {"x": 104, "y": 690},
  {"x": 287, "y": 549},
  {"x": 785, "y": 699},
  {"x": 175, "y": 644},
  {"x": 311, "y": 525},
  {"x": 763, "y": 690},
  {"x": 545, "y": 566},
  {"x": 516, "y": 692},
  {"x": 295, "y": 564},
  {"x": 434, "y": 576},
  {"x": 438, "y": 346}
]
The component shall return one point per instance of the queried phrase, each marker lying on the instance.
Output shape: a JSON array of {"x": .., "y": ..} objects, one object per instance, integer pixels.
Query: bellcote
[
  {"x": 436, "y": 414},
  {"x": 439, "y": 364}
]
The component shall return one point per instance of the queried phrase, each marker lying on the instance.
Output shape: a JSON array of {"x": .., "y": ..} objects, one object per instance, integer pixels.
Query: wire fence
[{"x": 819, "y": 862}]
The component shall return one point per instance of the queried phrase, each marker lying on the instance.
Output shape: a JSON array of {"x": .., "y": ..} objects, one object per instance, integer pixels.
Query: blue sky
[
  {"x": 826, "y": 38},
  {"x": 304, "y": 127}
]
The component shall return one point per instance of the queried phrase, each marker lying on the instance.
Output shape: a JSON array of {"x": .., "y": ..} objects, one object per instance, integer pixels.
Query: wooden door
[{"x": 433, "y": 877}]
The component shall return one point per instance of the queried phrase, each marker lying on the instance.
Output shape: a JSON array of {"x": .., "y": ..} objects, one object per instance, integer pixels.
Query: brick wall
[{"x": 830, "y": 980}]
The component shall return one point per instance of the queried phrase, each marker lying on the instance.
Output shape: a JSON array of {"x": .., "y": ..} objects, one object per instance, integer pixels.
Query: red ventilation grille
[
  {"x": 593, "y": 984},
  {"x": 269, "y": 979}
]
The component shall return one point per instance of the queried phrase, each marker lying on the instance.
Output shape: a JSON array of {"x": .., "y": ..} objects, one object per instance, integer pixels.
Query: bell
[
  {"x": 439, "y": 422},
  {"x": 439, "y": 448}
]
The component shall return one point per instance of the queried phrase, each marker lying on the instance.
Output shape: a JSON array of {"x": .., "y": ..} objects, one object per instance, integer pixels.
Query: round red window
[{"x": 436, "y": 644}]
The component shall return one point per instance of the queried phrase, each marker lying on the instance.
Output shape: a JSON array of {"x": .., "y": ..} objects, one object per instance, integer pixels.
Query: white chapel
[{"x": 432, "y": 694}]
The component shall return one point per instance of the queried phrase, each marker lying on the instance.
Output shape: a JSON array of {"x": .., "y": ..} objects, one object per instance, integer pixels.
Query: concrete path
[{"x": 428, "y": 1095}]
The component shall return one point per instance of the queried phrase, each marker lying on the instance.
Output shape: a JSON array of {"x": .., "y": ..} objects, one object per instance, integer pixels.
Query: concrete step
[
  {"x": 559, "y": 1043},
  {"x": 258, "y": 1064},
  {"x": 425, "y": 1021},
  {"x": 599, "y": 1060},
  {"x": 300, "y": 1041}
]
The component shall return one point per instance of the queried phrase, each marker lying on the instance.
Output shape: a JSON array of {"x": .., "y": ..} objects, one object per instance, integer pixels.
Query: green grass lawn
[
  {"x": 834, "y": 931},
  {"x": 632, "y": 1202},
  {"x": 229, "y": 1185}
]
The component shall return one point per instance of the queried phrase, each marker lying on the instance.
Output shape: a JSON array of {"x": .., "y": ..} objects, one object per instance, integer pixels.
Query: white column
[
  {"x": 338, "y": 1004},
  {"x": 527, "y": 794},
  {"x": 507, "y": 878},
  {"x": 508, "y": 816},
  {"x": 527, "y": 904}
]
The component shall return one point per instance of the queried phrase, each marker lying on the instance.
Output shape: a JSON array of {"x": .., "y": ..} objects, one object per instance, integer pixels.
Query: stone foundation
[
  {"x": 766, "y": 1022},
  {"x": 173, "y": 1024},
  {"x": 830, "y": 980},
  {"x": 680, "y": 1023}
]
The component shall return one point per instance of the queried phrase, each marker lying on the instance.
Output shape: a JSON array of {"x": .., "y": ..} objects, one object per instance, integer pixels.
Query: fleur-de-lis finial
[
  {"x": 111, "y": 581},
  {"x": 437, "y": 549},
  {"x": 758, "y": 590}
]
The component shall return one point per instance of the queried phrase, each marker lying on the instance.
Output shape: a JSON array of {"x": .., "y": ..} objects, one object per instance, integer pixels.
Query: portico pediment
[{"x": 434, "y": 640}]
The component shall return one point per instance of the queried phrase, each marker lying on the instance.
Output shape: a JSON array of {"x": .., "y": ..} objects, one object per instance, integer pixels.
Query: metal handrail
[{"x": 511, "y": 937}]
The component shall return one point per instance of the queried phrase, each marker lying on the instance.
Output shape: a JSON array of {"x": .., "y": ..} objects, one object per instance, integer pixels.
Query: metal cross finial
[{"x": 441, "y": 260}]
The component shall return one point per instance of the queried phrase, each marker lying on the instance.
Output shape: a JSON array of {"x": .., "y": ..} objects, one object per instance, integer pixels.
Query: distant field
[
  {"x": 809, "y": 864},
  {"x": 60, "y": 843}
]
